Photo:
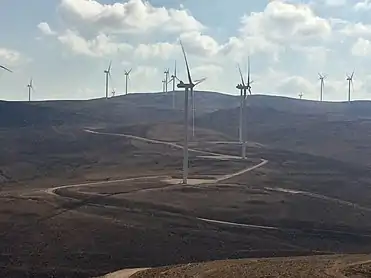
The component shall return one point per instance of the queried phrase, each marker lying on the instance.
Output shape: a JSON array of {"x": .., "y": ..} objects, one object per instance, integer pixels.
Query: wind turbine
[
  {"x": 126, "y": 80},
  {"x": 186, "y": 86},
  {"x": 5, "y": 68},
  {"x": 322, "y": 78},
  {"x": 108, "y": 74},
  {"x": 173, "y": 79},
  {"x": 30, "y": 88},
  {"x": 163, "y": 85},
  {"x": 244, "y": 87},
  {"x": 350, "y": 81},
  {"x": 166, "y": 72},
  {"x": 301, "y": 95}
]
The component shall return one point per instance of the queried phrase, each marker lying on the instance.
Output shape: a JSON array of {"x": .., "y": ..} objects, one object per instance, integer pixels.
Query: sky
[{"x": 65, "y": 46}]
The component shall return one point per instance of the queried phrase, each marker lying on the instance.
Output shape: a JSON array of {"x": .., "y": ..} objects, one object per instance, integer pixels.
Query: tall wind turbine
[
  {"x": 322, "y": 78},
  {"x": 244, "y": 87},
  {"x": 30, "y": 88},
  {"x": 108, "y": 74},
  {"x": 127, "y": 73},
  {"x": 186, "y": 86},
  {"x": 350, "y": 81},
  {"x": 166, "y": 72},
  {"x": 173, "y": 79},
  {"x": 5, "y": 68}
]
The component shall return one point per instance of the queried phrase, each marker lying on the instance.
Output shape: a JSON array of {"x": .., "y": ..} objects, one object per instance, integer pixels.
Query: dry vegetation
[{"x": 91, "y": 230}]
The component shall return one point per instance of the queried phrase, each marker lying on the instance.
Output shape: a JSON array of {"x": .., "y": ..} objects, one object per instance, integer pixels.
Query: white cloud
[
  {"x": 199, "y": 44},
  {"x": 10, "y": 56},
  {"x": 45, "y": 29},
  {"x": 363, "y": 5},
  {"x": 286, "y": 23},
  {"x": 133, "y": 16},
  {"x": 355, "y": 29},
  {"x": 361, "y": 47},
  {"x": 162, "y": 50},
  {"x": 100, "y": 46}
]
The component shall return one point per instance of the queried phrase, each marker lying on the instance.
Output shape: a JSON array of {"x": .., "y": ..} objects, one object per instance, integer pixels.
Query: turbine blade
[
  {"x": 110, "y": 65},
  {"x": 352, "y": 75},
  {"x": 130, "y": 71},
  {"x": 200, "y": 81},
  {"x": 5, "y": 68},
  {"x": 175, "y": 69},
  {"x": 239, "y": 69},
  {"x": 185, "y": 58}
]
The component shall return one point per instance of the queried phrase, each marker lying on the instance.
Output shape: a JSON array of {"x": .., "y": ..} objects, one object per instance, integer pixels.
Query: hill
[
  {"x": 336, "y": 130},
  {"x": 121, "y": 110},
  {"x": 317, "y": 267}
]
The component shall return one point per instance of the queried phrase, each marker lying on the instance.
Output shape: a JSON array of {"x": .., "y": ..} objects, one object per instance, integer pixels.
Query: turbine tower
[
  {"x": 350, "y": 81},
  {"x": 186, "y": 86},
  {"x": 173, "y": 79},
  {"x": 166, "y": 72},
  {"x": 5, "y": 68},
  {"x": 163, "y": 85},
  {"x": 244, "y": 87},
  {"x": 127, "y": 73},
  {"x": 30, "y": 88},
  {"x": 322, "y": 78},
  {"x": 108, "y": 74}
]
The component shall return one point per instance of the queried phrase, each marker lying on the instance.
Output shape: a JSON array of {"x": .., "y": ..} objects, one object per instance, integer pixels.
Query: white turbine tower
[
  {"x": 186, "y": 86},
  {"x": 163, "y": 85},
  {"x": 166, "y": 72},
  {"x": 127, "y": 73},
  {"x": 350, "y": 81},
  {"x": 244, "y": 87},
  {"x": 322, "y": 78},
  {"x": 108, "y": 75},
  {"x": 5, "y": 68},
  {"x": 173, "y": 79},
  {"x": 30, "y": 89}
]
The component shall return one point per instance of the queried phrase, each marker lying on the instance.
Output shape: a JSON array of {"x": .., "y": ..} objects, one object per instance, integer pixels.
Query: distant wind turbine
[
  {"x": 30, "y": 88},
  {"x": 186, "y": 86},
  {"x": 163, "y": 85},
  {"x": 166, "y": 72},
  {"x": 350, "y": 81},
  {"x": 244, "y": 87},
  {"x": 127, "y": 73},
  {"x": 108, "y": 75},
  {"x": 322, "y": 78},
  {"x": 5, "y": 68},
  {"x": 301, "y": 95},
  {"x": 173, "y": 79}
]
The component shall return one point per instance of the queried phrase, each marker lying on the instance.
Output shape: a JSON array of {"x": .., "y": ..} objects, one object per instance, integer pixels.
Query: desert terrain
[{"x": 91, "y": 187}]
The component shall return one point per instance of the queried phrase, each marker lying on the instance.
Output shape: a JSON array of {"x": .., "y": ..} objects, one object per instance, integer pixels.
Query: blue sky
[{"x": 65, "y": 45}]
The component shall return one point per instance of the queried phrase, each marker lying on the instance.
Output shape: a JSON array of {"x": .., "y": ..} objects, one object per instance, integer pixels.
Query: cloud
[
  {"x": 363, "y": 6},
  {"x": 100, "y": 46},
  {"x": 133, "y": 16},
  {"x": 355, "y": 29},
  {"x": 162, "y": 50},
  {"x": 361, "y": 47},
  {"x": 45, "y": 29},
  {"x": 9, "y": 56},
  {"x": 286, "y": 23},
  {"x": 293, "y": 85}
]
